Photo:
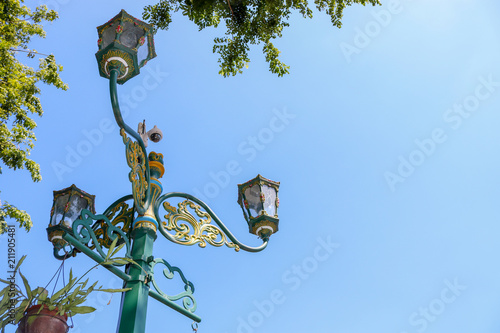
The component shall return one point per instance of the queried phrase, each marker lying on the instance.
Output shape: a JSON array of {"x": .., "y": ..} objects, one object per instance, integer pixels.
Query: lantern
[
  {"x": 259, "y": 200},
  {"x": 67, "y": 207},
  {"x": 125, "y": 43}
]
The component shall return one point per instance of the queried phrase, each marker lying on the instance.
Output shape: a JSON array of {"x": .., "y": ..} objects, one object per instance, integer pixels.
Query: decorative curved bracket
[
  {"x": 190, "y": 230},
  {"x": 135, "y": 151},
  {"x": 84, "y": 233},
  {"x": 188, "y": 301},
  {"x": 121, "y": 217}
]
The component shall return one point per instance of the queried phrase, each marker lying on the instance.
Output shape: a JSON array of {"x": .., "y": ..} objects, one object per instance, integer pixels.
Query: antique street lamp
[
  {"x": 125, "y": 45},
  {"x": 67, "y": 207},
  {"x": 259, "y": 200}
]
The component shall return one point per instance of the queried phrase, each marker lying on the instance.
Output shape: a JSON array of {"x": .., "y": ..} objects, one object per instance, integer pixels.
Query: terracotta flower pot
[{"x": 44, "y": 322}]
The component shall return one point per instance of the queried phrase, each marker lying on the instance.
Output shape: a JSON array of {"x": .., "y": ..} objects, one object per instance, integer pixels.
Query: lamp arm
[
  {"x": 209, "y": 211},
  {"x": 141, "y": 205}
]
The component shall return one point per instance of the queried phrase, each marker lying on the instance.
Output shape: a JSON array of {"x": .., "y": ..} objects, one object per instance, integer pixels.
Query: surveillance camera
[{"x": 155, "y": 134}]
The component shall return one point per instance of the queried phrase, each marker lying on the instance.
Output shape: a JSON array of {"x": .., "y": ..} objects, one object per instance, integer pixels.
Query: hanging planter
[
  {"x": 34, "y": 311},
  {"x": 39, "y": 319}
]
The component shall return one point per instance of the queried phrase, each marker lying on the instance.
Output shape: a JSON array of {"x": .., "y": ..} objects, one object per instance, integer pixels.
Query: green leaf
[
  {"x": 111, "y": 248},
  {"x": 42, "y": 294},
  {"x": 20, "y": 262},
  {"x": 26, "y": 285},
  {"x": 61, "y": 292},
  {"x": 114, "y": 290},
  {"x": 82, "y": 309},
  {"x": 120, "y": 261},
  {"x": 117, "y": 249},
  {"x": 24, "y": 305}
]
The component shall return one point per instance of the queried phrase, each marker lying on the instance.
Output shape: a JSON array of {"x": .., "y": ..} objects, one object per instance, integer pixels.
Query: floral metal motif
[
  {"x": 194, "y": 231},
  {"x": 136, "y": 160},
  {"x": 188, "y": 301}
]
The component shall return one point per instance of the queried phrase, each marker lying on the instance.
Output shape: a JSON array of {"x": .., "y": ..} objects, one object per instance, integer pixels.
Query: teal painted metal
[
  {"x": 188, "y": 301},
  {"x": 83, "y": 248},
  {"x": 86, "y": 233},
  {"x": 210, "y": 212},
  {"x": 119, "y": 119},
  {"x": 135, "y": 301},
  {"x": 174, "y": 306}
]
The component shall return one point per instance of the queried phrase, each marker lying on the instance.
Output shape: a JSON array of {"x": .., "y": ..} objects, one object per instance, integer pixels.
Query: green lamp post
[{"x": 125, "y": 45}]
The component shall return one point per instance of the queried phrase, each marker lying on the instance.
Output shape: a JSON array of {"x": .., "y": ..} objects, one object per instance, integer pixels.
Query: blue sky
[{"x": 384, "y": 138}]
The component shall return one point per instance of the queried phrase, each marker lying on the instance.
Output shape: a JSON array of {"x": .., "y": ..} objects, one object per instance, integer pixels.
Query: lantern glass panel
[
  {"x": 59, "y": 209},
  {"x": 270, "y": 200},
  {"x": 252, "y": 195},
  {"x": 65, "y": 212},
  {"x": 131, "y": 35},
  {"x": 109, "y": 34},
  {"x": 75, "y": 208},
  {"x": 143, "y": 51}
]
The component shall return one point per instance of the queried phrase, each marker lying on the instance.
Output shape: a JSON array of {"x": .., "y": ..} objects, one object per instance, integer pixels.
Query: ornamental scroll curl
[
  {"x": 188, "y": 301},
  {"x": 121, "y": 217},
  {"x": 84, "y": 233},
  {"x": 136, "y": 160},
  {"x": 190, "y": 230}
]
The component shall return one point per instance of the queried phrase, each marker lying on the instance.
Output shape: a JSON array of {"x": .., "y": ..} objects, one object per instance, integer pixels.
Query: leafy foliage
[
  {"x": 19, "y": 90},
  {"x": 14, "y": 302},
  {"x": 247, "y": 22}
]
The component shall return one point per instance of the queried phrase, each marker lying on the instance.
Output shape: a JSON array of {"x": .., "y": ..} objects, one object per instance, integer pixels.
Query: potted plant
[{"x": 34, "y": 311}]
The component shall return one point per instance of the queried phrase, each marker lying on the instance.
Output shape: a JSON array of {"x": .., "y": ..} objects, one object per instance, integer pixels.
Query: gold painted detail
[
  {"x": 263, "y": 225},
  {"x": 157, "y": 165},
  {"x": 136, "y": 160},
  {"x": 155, "y": 192},
  {"x": 190, "y": 230},
  {"x": 56, "y": 238},
  {"x": 121, "y": 216},
  {"x": 155, "y": 156},
  {"x": 121, "y": 67},
  {"x": 145, "y": 224}
]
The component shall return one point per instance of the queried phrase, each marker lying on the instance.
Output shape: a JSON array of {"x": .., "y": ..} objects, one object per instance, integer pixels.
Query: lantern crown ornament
[
  {"x": 259, "y": 200},
  {"x": 125, "y": 43},
  {"x": 67, "y": 207}
]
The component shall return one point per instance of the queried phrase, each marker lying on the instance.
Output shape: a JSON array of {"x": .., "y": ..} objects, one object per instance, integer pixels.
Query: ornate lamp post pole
[{"x": 125, "y": 45}]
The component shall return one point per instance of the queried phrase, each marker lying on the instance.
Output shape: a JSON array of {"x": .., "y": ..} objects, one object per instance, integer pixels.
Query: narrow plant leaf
[
  {"x": 111, "y": 248},
  {"x": 121, "y": 290},
  {"x": 26, "y": 285},
  {"x": 117, "y": 249},
  {"x": 120, "y": 261},
  {"x": 62, "y": 291},
  {"x": 82, "y": 309},
  {"x": 20, "y": 262},
  {"x": 24, "y": 305}
]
